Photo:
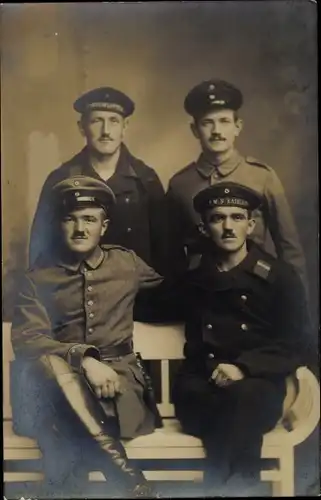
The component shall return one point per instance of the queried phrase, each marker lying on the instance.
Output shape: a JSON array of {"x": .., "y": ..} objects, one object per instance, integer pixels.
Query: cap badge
[
  {"x": 226, "y": 190},
  {"x": 106, "y": 96},
  {"x": 212, "y": 97},
  {"x": 211, "y": 87},
  {"x": 77, "y": 194}
]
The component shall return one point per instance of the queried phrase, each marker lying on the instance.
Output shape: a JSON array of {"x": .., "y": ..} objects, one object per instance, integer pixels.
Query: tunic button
[
  {"x": 127, "y": 200},
  {"x": 90, "y": 330},
  {"x": 244, "y": 326},
  {"x": 129, "y": 229},
  {"x": 76, "y": 183},
  {"x": 209, "y": 326},
  {"x": 211, "y": 355},
  {"x": 90, "y": 302},
  {"x": 91, "y": 315},
  {"x": 89, "y": 288},
  {"x": 89, "y": 273},
  {"x": 244, "y": 297}
]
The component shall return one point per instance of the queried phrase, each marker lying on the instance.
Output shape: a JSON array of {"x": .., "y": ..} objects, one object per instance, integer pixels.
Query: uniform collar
[
  {"x": 209, "y": 277},
  {"x": 206, "y": 168},
  {"x": 123, "y": 167},
  {"x": 93, "y": 261}
]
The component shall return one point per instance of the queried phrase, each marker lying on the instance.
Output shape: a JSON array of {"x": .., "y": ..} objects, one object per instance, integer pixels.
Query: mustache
[
  {"x": 79, "y": 236},
  {"x": 216, "y": 137},
  {"x": 228, "y": 234},
  {"x": 105, "y": 137}
]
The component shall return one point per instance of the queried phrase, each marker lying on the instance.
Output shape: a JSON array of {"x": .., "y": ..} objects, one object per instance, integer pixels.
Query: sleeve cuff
[{"x": 77, "y": 353}]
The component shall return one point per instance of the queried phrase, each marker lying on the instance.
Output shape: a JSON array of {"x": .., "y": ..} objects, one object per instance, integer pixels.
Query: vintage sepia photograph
[{"x": 160, "y": 267}]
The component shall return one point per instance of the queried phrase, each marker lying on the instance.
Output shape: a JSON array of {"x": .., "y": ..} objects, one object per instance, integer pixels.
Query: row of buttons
[
  {"x": 90, "y": 302},
  {"x": 243, "y": 326}
]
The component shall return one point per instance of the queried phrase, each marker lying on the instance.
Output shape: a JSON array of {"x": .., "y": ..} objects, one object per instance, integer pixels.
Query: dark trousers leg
[
  {"x": 71, "y": 398},
  {"x": 231, "y": 421}
]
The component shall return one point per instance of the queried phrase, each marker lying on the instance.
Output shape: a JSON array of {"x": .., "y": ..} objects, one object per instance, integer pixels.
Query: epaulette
[
  {"x": 106, "y": 246},
  {"x": 254, "y": 161},
  {"x": 262, "y": 269}
]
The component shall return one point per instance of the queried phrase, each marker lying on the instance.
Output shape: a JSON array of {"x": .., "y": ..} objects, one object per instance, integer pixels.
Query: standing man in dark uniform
[
  {"x": 78, "y": 387},
  {"x": 138, "y": 220},
  {"x": 246, "y": 316},
  {"x": 216, "y": 124}
]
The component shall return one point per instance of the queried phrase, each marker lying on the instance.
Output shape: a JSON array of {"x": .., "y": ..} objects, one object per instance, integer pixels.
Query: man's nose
[
  {"x": 215, "y": 128},
  {"x": 79, "y": 226},
  {"x": 227, "y": 223},
  {"x": 105, "y": 127}
]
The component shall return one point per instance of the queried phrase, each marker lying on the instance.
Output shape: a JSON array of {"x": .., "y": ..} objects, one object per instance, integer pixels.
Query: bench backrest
[{"x": 155, "y": 342}]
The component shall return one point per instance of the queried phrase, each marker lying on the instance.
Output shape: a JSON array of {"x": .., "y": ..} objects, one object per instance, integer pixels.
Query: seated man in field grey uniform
[{"x": 77, "y": 386}]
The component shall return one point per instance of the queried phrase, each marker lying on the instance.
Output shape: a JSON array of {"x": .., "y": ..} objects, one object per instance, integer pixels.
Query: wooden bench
[{"x": 165, "y": 343}]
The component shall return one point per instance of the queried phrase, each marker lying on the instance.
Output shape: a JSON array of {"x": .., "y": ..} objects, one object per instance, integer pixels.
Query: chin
[
  {"x": 106, "y": 149},
  {"x": 230, "y": 247},
  {"x": 218, "y": 148},
  {"x": 81, "y": 248}
]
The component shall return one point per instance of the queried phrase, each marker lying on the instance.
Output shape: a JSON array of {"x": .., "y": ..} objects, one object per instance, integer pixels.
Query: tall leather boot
[{"x": 86, "y": 408}]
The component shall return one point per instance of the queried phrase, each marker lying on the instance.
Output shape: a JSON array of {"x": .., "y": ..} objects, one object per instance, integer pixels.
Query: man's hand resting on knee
[
  {"x": 225, "y": 374},
  {"x": 103, "y": 379}
]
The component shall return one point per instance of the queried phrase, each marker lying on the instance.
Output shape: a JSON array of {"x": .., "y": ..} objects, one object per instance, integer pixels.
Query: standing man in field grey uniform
[
  {"x": 214, "y": 106},
  {"x": 138, "y": 222}
]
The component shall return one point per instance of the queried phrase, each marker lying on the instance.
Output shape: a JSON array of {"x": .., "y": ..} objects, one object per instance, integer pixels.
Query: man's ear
[
  {"x": 104, "y": 227},
  {"x": 125, "y": 125},
  {"x": 239, "y": 126},
  {"x": 194, "y": 130},
  {"x": 251, "y": 226},
  {"x": 81, "y": 127}
]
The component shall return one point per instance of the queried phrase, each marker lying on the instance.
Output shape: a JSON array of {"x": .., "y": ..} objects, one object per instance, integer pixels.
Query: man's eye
[{"x": 216, "y": 218}]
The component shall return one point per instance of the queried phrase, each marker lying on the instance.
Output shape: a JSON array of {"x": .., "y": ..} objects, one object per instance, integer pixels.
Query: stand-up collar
[
  {"x": 206, "y": 168},
  {"x": 93, "y": 261},
  {"x": 209, "y": 277}
]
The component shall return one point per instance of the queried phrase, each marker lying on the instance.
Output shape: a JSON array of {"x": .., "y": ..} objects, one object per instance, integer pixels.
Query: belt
[{"x": 116, "y": 351}]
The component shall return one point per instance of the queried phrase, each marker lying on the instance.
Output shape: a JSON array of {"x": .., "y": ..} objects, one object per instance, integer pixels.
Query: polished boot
[{"x": 84, "y": 405}]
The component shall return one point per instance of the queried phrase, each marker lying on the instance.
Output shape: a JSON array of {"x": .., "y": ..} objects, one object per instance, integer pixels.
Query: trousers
[{"x": 230, "y": 420}]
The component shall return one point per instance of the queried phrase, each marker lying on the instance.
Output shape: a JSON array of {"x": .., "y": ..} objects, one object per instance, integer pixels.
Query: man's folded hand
[
  {"x": 102, "y": 378},
  {"x": 225, "y": 374}
]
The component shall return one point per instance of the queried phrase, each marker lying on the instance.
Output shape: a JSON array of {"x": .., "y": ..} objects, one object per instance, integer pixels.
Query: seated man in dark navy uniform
[
  {"x": 245, "y": 330},
  {"x": 78, "y": 387}
]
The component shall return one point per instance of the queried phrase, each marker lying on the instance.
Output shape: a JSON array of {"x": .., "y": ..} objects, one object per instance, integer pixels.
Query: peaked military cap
[
  {"x": 105, "y": 99},
  {"x": 81, "y": 191},
  {"x": 228, "y": 194},
  {"x": 212, "y": 94}
]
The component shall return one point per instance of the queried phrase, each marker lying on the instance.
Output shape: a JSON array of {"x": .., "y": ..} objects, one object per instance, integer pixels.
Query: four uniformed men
[
  {"x": 98, "y": 228},
  {"x": 214, "y": 106}
]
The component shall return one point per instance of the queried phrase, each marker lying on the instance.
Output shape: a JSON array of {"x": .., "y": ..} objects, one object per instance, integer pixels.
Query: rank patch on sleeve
[{"x": 262, "y": 269}]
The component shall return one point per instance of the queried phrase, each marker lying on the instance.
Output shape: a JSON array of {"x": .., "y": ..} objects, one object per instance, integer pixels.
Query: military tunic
[
  {"x": 254, "y": 317},
  {"x": 137, "y": 220},
  {"x": 69, "y": 310},
  {"x": 275, "y": 215}
]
